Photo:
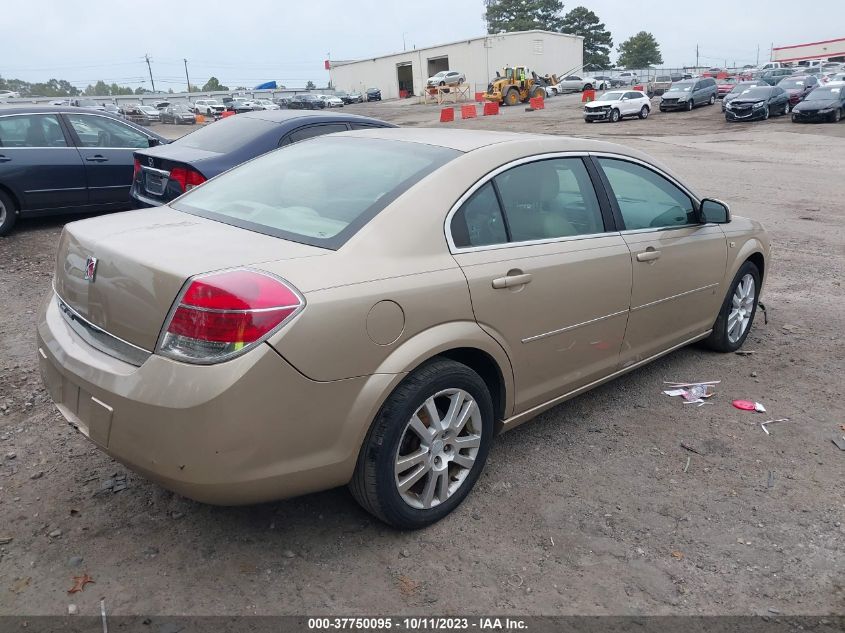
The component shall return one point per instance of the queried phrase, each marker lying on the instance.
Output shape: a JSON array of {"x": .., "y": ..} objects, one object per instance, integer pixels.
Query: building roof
[{"x": 336, "y": 63}]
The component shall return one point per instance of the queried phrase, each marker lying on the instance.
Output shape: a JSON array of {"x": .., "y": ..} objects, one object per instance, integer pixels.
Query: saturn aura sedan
[{"x": 370, "y": 308}]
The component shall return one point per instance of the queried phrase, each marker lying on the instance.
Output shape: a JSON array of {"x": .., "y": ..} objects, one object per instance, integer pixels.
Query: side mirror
[
  {"x": 152, "y": 142},
  {"x": 714, "y": 211}
]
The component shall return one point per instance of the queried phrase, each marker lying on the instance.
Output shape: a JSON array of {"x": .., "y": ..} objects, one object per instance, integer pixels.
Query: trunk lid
[
  {"x": 143, "y": 260},
  {"x": 152, "y": 181}
]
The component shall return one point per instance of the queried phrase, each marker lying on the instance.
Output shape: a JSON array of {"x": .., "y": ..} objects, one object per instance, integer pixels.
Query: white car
[
  {"x": 267, "y": 104},
  {"x": 551, "y": 91},
  {"x": 629, "y": 78},
  {"x": 447, "y": 78},
  {"x": 331, "y": 101},
  {"x": 615, "y": 105},
  {"x": 9, "y": 94},
  {"x": 209, "y": 107},
  {"x": 580, "y": 83}
]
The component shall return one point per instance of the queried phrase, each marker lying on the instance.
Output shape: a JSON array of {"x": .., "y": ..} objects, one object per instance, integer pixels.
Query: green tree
[
  {"x": 597, "y": 39},
  {"x": 310, "y": 85},
  {"x": 639, "y": 51},
  {"x": 213, "y": 85},
  {"x": 503, "y": 16},
  {"x": 140, "y": 90},
  {"x": 100, "y": 89}
]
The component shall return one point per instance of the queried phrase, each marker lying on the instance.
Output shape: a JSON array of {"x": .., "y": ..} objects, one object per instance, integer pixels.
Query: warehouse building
[
  {"x": 478, "y": 58},
  {"x": 833, "y": 50}
]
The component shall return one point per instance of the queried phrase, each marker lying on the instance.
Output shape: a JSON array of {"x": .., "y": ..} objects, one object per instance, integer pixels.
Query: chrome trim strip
[
  {"x": 221, "y": 311},
  {"x": 99, "y": 339},
  {"x": 160, "y": 172},
  {"x": 6, "y": 148},
  {"x": 664, "y": 228},
  {"x": 150, "y": 201},
  {"x": 548, "y": 240},
  {"x": 537, "y": 337},
  {"x": 677, "y": 296},
  {"x": 51, "y": 190},
  {"x": 519, "y": 418},
  {"x": 112, "y": 187}
]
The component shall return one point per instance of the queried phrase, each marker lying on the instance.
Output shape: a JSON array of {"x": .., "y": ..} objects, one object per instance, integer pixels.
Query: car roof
[{"x": 469, "y": 140}]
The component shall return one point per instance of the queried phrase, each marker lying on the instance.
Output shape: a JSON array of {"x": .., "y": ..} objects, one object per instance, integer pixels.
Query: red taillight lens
[
  {"x": 186, "y": 177},
  {"x": 136, "y": 170},
  {"x": 222, "y": 315}
]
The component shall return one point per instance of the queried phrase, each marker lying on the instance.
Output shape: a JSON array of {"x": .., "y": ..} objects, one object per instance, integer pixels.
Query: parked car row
[{"x": 802, "y": 95}]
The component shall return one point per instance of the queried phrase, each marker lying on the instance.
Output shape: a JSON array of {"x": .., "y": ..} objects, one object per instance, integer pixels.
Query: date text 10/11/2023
[{"x": 417, "y": 623}]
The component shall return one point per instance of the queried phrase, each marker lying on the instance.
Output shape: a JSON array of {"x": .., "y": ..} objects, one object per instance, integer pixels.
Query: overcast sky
[{"x": 248, "y": 42}]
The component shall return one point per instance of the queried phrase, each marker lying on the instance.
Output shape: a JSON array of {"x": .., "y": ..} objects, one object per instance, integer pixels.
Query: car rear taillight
[
  {"x": 222, "y": 315},
  {"x": 136, "y": 170},
  {"x": 187, "y": 177}
]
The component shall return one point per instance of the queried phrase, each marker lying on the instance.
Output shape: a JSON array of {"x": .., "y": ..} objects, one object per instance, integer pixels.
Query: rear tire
[
  {"x": 587, "y": 87},
  {"x": 736, "y": 307},
  {"x": 644, "y": 112},
  {"x": 377, "y": 482},
  {"x": 8, "y": 213}
]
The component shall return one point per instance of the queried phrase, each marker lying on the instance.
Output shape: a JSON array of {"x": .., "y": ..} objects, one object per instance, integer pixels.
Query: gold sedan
[{"x": 371, "y": 308}]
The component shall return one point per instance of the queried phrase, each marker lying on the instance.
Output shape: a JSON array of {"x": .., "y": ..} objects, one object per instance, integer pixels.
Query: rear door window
[
  {"x": 479, "y": 221},
  {"x": 101, "y": 131},
  {"x": 311, "y": 131}
]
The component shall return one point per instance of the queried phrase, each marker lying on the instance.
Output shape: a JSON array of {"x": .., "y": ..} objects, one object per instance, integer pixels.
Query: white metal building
[
  {"x": 827, "y": 49},
  {"x": 478, "y": 58}
]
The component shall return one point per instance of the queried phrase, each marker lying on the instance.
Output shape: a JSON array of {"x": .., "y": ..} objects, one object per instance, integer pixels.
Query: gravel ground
[{"x": 593, "y": 508}]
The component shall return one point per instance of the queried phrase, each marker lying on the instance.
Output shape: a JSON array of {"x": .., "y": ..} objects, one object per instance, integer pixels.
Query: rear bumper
[{"x": 249, "y": 430}]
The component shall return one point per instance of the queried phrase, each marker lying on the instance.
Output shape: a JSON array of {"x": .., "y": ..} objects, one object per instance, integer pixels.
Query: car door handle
[
  {"x": 649, "y": 255},
  {"x": 97, "y": 158},
  {"x": 511, "y": 280},
  {"x": 4, "y": 159}
]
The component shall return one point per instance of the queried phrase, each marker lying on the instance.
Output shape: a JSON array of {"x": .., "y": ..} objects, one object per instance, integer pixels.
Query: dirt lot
[{"x": 587, "y": 510}]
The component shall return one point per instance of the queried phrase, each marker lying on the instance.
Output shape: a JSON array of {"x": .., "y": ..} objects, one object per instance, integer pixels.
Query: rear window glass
[
  {"x": 227, "y": 134},
  {"x": 318, "y": 192}
]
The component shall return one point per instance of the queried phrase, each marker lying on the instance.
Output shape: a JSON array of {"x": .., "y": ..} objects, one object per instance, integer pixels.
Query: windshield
[
  {"x": 680, "y": 87},
  {"x": 663, "y": 79},
  {"x": 318, "y": 192},
  {"x": 612, "y": 96},
  {"x": 759, "y": 92},
  {"x": 826, "y": 93},
  {"x": 792, "y": 83},
  {"x": 744, "y": 87},
  {"x": 442, "y": 73},
  {"x": 148, "y": 109}
]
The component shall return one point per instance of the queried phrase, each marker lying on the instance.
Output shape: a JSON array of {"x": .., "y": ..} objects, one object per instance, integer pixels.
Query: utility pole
[
  {"x": 696, "y": 56},
  {"x": 758, "y": 56},
  {"x": 188, "y": 79},
  {"x": 150, "y": 68}
]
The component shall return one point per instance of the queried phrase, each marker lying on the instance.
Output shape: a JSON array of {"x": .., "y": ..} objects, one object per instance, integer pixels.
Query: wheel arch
[{"x": 15, "y": 199}]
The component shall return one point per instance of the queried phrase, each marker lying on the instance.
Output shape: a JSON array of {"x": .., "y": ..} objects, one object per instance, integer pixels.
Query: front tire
[
  {"x": 766, "y": 114},
  {"x": 615, "y": 116},
  {"x": 511, "y": 97},
  {"x": 737, "y": 313},
  {"x": 837, "y": 115},
  {"x": 426, "y": 447},
  {"x": 8, "y": 214},
  {"x": 690, "y": 105},
  {"x": 712, "y": 100}
]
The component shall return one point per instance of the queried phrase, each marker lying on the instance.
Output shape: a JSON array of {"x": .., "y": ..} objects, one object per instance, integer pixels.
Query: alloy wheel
[
  {"x": 438, "y": 448},
  {"x": 742, "y": 307},
  {"x": 3, "y": 213}
]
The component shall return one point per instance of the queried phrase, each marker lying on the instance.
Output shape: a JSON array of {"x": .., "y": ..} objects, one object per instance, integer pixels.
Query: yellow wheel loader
[{"x": 516, "y": 85}]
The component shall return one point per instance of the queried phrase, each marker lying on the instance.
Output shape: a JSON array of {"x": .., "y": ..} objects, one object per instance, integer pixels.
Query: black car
[
  {"x": 163, "y": 173},
  {"x": 282, "y": 102},
  {"x": 373, "y": 94},
  {"x": 740, "y": 88},
  {"x": 825, "y": 103},
  {"x": 348, "y": 98},
  {"x": 65, "y": 159},
  {"x": 757, "y": 104},
  {"x": 178, "y": 114},
  {"x": 306, "y": 102},
  {"x": 236, "y": 105}
]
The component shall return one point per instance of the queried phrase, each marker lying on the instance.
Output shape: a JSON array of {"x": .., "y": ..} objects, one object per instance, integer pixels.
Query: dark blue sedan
[
  {"x": 166, "y": 172},
  {"x": 65, "y": 159}
]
